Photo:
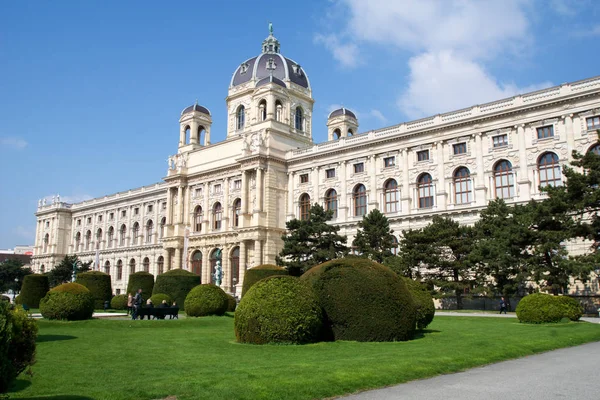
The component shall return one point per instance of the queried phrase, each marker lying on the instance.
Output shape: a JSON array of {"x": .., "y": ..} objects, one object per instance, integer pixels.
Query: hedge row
[
  {"x": 539, "y": 308},
  {"x": 119, "y": 302},
  {"x": 98, "y": 283},
  {"x": 423, "y": 302},
  {"x": 176, "y": 283},
  {"x": 34, "y": 288},
  {"x": 141, "y": 280}
]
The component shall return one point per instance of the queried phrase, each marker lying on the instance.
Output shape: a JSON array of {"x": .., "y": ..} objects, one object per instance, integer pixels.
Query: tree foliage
[
  {"x": 374, "y": 239},
  {"x": 63, "y": 272},
  {"x": 10, "y": 270},
  {"x": 311, "y": 242}
]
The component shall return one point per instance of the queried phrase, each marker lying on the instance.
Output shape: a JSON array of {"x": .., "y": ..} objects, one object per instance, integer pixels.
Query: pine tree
[
  {"x": 374, "y": 238},
  {"x": 311, "y": 242},
  {"x": 63, "y": 272}
]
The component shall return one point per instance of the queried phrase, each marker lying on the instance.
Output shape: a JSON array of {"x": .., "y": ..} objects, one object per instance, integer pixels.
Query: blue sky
[{"x": 91, "y": 91}]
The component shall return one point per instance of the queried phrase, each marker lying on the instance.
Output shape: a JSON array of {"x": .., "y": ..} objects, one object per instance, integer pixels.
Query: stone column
[
  {"x": 205, "y": 210},
  {"x": 178, "y": 257},
  {"x": 244, "y": 197},
  {"x": 271, "y": 106},
  {"x": 258, "y": 248},
  {"x": 186, "y": 205},
  {"x": 168, "y": 261},
  {"x": 315, "y": 182},
  {"x": 182, "y": 135},
  {"x": 243, "y": 266},
  {"x": 441, "y": 187},
  {"x": 570, "y": 135},
  {"x": 290, "y": 196},
  {"x": 343, "y": 197},
  {"x": 169, "y": 207},
  {"x": 205, "y": 277},
  {"x": 259, "y": 189},
  {"x": 523, "y": 181},
  {"x": 193, "y": 132},
  {"x": 373, "y": 199},
  {"x": 226, "y": 205},
  {"x": 480, "y": 188},
  {"x": 179, "y": 204},
  {"x": 405, "y": 197}
]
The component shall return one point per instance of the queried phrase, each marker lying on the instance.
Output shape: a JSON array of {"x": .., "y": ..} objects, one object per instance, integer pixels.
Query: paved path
[
  {"x": 498, "y": 315},
  {"x": 570, "y": 373}
]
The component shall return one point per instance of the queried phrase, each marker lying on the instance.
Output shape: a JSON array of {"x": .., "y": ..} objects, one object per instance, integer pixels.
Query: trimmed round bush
[
  {"x": 158, "y": 298},
  {"x": 423, "y": 302},
  {"x": 176, "y": 283},
  {"x": 34, "y": 288},
  {"x": 119, "y": 302},
  {"x": 18, "y": 299},
  {"x": 572, "y": 308},
  {"x": 98, "y": 283},
  {"x": 362, "y": 300},
  {"x": 141, "y": 280},
  {"x": 255, "y": 274},
  {"x": 231, "y": 303},
  {"x": 69, "y": 301},
  {"x": 206, "y": 300},
  {"x": 538, "y": 308},
  {"x": 279, "y": 309}
]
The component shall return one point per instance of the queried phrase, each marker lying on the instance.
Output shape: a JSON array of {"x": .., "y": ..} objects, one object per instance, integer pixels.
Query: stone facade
[{"x": 236, "y": 195}]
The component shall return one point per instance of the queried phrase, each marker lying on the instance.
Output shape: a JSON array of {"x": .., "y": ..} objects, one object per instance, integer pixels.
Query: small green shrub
[
  {"x": 362, "y": 300},
  {"x": 423, "y": 302},
  {"x": 34, "y": 289},
  {"x": 572, "y": 309},
  {"x": 158, "y": 298},
  {"x": 69, "y": 301},
  {"x": 538, "y": 308},
  {"x": 177, "y": 283},
  {"x": 98, "y": 283},
  {"x": 17, "y": 343},
  {"x": 255, "y": 274},
  {"x": 279, "y": 309},
  {"x": 206, "y": 300},
  {"x": 119, "y": 302},
  {"x": 231, "y": 303},
  {"x": 141, "y": 280}
]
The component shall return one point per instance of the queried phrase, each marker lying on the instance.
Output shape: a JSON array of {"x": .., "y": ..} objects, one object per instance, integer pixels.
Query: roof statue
[{"x": 270, "y": 28}]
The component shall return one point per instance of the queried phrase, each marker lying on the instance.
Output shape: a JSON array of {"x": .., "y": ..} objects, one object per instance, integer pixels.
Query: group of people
[{"x": 134, "y": 303}]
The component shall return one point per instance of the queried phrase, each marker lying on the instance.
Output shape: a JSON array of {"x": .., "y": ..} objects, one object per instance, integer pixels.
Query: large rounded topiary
[
  {"x": 70, "y": 301},
  {"x": 572, "y": 308},
  {"x": 537, "y": 308},
  {"x": 362, "y": 300},
  {"x": 231, "y": 303},
  {"x": 34, "y": 289},
  {"x": 206, "y": 300},
  {"x": 98, "y": 283},
  {"x": 279, "y": 309},
  {"x": 423, "y": 302},
  {"x": 177, "y": 283},
  {"x": 119, "y": 302},
  {"x": 158, "y": 298},
  {"x": 141, "y": 280},
  {"x": 255, "y": 274}
]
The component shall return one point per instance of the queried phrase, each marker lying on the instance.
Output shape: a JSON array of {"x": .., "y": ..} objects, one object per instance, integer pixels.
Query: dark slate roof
[
  {"x": 270, "y": 79},
  {"x": 196, "y": 107},
  {"x": 24, "y": 258},
  {"x": 256, "y": 68},
  {"x": 341, "y": 111}
]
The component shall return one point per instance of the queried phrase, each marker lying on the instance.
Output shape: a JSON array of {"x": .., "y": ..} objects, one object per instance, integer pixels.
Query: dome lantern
[{"x": 271, "y": 44}]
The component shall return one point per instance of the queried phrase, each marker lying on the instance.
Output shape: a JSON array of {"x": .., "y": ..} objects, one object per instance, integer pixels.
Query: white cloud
[
  {"x": 345, "y": 53},
  {"x": 13, "y": 143},
  {"x": 442, "y": 81},
  {"x": 378, "y": 115},
  {"x": 593, "y": 31}
]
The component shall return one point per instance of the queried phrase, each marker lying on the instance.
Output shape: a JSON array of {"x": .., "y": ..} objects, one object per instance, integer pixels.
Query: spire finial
[{"x": 270, "y": 28}]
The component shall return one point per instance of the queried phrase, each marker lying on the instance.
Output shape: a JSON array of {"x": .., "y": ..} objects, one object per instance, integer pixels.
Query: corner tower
[
  {"x": 341, "y": 123},
  {"x": 194, "y": 128}
]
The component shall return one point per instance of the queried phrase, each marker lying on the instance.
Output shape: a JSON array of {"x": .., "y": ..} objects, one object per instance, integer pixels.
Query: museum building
[{"x": 236, "y": 195}]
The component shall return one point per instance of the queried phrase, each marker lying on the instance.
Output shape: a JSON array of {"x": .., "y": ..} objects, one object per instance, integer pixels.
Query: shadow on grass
[
  {"x": 53, "y": 338},
  {"x": 59, "y": 397},
  {"x": 19, "y": 384},
  {"x": 420, "y": 334}
]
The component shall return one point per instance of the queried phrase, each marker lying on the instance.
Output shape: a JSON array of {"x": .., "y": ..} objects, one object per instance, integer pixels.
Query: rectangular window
[
  {"x": 136, "y": 211},
  {"x": 359, "y": 167},
  {"x": 198, "y": 192},
  {"x": 78, "y": 222},
  {"x": 111, "y": 216},
  {"x": 330, "y": 173},
  {"x": 47, "y": 224},
  {"x": 123, "y": 213},
  {"x": 593, "y": 123},
  {"x": 164, "y": 205},
  {"x": 150, "y": 208},
  {"x": 545, "y": 132},
  {"x": 304, "y": 178},
  {"x": 89, "y": 220},
  {"x": 237, "y": 184},
  {"x": 99, "y": 218},
  {"x": 459, "y": 148},
  {"x": 389, "y": 161},
  {"x": 423, "y": 155},
  {"x": 217, "y": 188},
  {"x": 500, "y": 141}
]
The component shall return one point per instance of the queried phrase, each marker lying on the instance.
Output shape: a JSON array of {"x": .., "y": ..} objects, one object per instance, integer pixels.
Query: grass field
[{"x": 199, "y": 358}]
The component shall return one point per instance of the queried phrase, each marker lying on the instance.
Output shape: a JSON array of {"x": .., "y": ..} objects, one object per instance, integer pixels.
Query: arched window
[
  {"x": 304, "y": 207},
  {"x": 240, "y": 117},
  {"x": 98, "y": 238},
  {"x": 198, "y": 215},
  {"x": 234, "y": 261},
  {"x": 390, "y": 194},
  {"x": 425, "y": 190},
  {"x": 394, "y": 248},
  {"x": 278, "y": 111},
  {"x": 161, "y": 264},
  {"x": 462, "y": 186},
  {"x": 262, "y": 110},
  {"x": 595, "y": 149},
  {"x": 46, "y": 241},
  {"x": 135, "y": 233},
  {"x": 350, "y": 132},
  {"x": 237, "y": 209},
  {"x": 149, "y": 231},
  {"x": 88, "y": 239},
  {"x": 197, "y": 263},
  {"x": 299, "y": 119},
  {"x": 549, "y": 170},
  {"x": 119, "y": 270},
  {"x": 503, "y": 180},
  {"x": 360, "y": 200},
  {"x": 77, "y": 241},
  {"x": 110, "y": 236},
  {"x": 42, "y": 269},
  {"x": 146, "y": 264},
  {"x": 217, "y": 216},
  {"x": 161, "y": 232},
  {"x": 337, "y": 134},
  {"x": 132, "y": 266},
  {"x": 107, "y": 268},
  {"x": 199, "y": 134},
  {"x": 331, "y": 202},
  {"x": 187, "y": 134},
  {"x": 122, "y": 235}
]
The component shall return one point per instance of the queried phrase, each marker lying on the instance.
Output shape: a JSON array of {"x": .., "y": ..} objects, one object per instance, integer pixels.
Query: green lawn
[{"x": 199, "y": 358}]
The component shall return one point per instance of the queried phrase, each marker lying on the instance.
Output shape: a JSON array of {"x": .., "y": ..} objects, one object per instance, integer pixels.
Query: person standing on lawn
[
  {"x": 137, "y": 303},
  {"x": 502, "y": 305},
  {"x": 129, "y": 304}
]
